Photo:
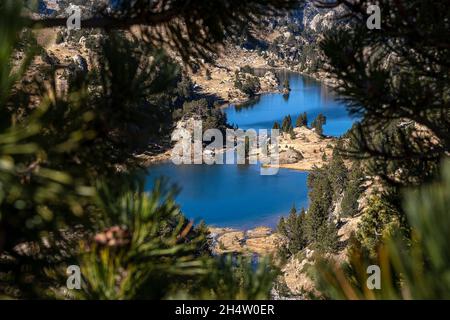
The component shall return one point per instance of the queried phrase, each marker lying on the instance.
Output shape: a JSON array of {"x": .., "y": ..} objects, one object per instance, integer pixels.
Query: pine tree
[
  {"x": 339, "y": 174},
  {"x": 293, "y": 228},
  {"x": 276, "y": 125},
  {"x": 352, "y": 192},
  {"x": 379, "y": 221},
  {"x": 302, "y": 120},
  {"x": 286, "y": 126},
  {"x": 293, "y": 209},
  {"x": 318, "y": 216},
  {"x": 318, "y": 123}
]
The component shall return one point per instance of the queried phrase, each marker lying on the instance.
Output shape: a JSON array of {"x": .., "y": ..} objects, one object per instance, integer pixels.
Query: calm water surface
[{"x": 237, "y": 195}]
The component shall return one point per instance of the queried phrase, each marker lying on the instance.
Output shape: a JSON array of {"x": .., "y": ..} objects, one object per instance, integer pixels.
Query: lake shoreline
[
  {"x": 239, "y": 211},
  {"x": 263, "y": 239},
  {"x": 164, "y": 156},
  {"x": 310, "y": 146}
]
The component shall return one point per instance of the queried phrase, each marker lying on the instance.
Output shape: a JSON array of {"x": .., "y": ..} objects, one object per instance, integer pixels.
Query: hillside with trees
[
  {"x": 73, "y": 122},
  {"x": 397, "y": 80}
]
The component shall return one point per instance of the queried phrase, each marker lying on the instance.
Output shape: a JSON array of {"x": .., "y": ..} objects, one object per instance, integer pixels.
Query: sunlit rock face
[{"x": 291, "y": 40}]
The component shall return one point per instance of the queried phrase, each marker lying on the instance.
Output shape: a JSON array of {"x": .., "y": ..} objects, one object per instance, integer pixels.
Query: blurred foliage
[
  {"x": 293, "y": 229},
  {"x": 379, "y": 220},
  {"x": 146, "y": 247},
  {"x": 33, "y": 190},
  {"x": 192, "y": 30},
  {"x": 397, "y": 80},
  {"x": 410, "y": 269},
  {"x": 238, "y": 277}
]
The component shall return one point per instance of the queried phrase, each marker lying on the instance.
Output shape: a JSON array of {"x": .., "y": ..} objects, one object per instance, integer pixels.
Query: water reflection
[{"x": 248, "y": 105}]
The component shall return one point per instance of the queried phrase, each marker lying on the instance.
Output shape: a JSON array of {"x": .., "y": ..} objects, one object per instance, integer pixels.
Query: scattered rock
[{"x": 290, "y": 156}]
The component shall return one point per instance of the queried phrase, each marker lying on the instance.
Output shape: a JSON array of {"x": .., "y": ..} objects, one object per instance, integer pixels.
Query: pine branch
[
  {"x": 111, "y": 22},
  {"x": 141, "y": 13}
]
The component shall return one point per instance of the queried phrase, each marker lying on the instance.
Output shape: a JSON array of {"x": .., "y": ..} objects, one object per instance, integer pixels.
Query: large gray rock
[{"x": 290, "y": 156}]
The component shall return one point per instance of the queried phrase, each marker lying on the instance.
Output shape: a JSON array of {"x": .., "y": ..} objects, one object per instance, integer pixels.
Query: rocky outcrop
[
  {"x": 260, "y": 240},
  {"x": 269, "y": 82},
  {"x": 322, "y": 20},
  {"x": 290, "y": 156},
  {"x": 304, "y": 149},
  {"x": 219, "y": 79},
  {"x": 291, "y": 41},
  {"x": 295, "y": 274}
]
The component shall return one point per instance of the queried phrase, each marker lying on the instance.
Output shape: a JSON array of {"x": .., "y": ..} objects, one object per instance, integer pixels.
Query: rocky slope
[
  {"x": 291, "y": 41},
  {"x": 218, "y": 78},
  {"x": 286, "y": 42},
  {"x": 305, "y": 149}
]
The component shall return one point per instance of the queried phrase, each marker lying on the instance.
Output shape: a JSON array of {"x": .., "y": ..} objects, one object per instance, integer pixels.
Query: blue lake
[
  {"x": 307, "y": 95},
  {"x": 237, "y": 195}
]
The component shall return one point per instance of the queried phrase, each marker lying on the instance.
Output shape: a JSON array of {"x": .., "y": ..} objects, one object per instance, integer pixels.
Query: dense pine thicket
[
  {"x": 316, "y": 227},
  {"x": 415, "y": 268},
  {"x": 287, "y": 125}
]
